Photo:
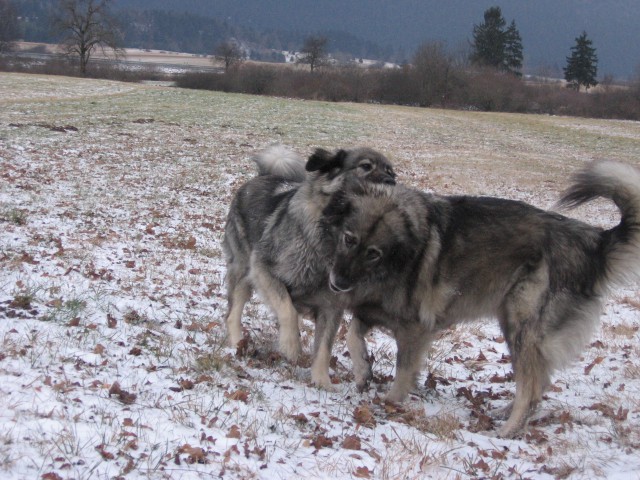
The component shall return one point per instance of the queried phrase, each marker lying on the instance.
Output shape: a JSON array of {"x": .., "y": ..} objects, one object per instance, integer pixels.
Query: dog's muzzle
[{"x": 338, "y": 285}]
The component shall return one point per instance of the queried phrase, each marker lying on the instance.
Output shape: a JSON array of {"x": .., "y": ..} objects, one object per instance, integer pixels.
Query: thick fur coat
[
  {"x": 277, "y": 242},
  {"x": 417, "y": 263}
]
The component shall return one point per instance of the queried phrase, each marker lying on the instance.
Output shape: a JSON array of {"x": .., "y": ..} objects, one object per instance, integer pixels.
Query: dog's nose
[{"x": 338, "y": 284}]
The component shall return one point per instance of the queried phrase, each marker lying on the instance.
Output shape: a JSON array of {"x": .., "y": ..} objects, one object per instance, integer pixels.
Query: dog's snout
[
  {"x": 338, "y": 284},
  {"x": 382, "y": 177}
]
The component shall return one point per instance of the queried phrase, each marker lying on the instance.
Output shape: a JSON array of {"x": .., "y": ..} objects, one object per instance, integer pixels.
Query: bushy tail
[
  {"x": 281, "y": 162},
  {"x": 621, "y": 184}
]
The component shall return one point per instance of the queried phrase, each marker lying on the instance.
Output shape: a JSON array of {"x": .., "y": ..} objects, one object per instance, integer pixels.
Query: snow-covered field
[{"x": 113, "y": 362}]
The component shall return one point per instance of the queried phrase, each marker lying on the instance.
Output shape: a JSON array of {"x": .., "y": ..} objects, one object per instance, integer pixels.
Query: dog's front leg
[
  {"x": 412, "y": 341},
  {"x": 357, "y": 347},
  {"x": 327, "y": 323}
]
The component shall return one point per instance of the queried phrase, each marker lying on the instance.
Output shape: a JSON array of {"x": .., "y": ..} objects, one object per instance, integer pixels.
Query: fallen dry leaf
[
  {"x": 125, "y": 397},
  {"x": 364, "y": 416},
  {"x": 51, "y": 476},
  {"x": 104, "y": 453},
  {"x": 240, "y": 395},
  {"x": 352, "y": 442},
  {"x": 596, "y": 361},
  {"x": 321, "y": 441},
  {"x": 362, "y": 472},
  {"x": 195, "y": 454}
]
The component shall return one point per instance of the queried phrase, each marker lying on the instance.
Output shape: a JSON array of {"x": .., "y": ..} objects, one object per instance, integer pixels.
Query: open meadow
[{"x": 113, "y": 362}]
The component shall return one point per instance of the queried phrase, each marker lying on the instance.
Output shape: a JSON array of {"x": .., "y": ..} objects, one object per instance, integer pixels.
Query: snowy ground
[{"x": 113, "y": 362}]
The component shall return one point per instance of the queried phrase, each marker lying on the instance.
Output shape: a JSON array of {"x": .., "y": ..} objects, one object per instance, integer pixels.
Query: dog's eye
[
  {"x": 350, "y": 241},
  {"x": 366, "y": 165},
  {"x": 373, "y": 254}
]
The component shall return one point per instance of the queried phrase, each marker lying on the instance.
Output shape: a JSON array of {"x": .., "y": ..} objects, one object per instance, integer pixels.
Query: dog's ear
[
  {"x": 324, "y": 161},
  {"x": 338, "y": 207},
  {"x": 400, "y": 255}
]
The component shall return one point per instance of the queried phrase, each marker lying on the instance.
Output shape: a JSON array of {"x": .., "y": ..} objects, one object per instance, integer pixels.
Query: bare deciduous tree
[
  {"x": 231, "y": 54},
  {"x": 314, "y": 51},
  {"x": 87, "y": 25},
  {"x": 434, "y": 72},
  {"x": 8, "y": 26}
]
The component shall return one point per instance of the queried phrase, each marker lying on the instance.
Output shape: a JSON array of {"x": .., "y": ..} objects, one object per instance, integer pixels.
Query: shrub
[
  {"x": 68, "y": 66},
  {"x": 451, "y": 87}
]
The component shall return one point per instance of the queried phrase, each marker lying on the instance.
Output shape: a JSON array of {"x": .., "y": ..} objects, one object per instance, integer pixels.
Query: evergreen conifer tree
[
  {"x": 513, "y": 50},
  {"x": 582, "y": 64},
  {"x": 497, "y": 46}
]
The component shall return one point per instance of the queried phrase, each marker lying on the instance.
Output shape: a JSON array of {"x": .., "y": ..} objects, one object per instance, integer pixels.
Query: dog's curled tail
[
  {"x": 279, "y": 161},
  {"x": 621, "y": 184}
]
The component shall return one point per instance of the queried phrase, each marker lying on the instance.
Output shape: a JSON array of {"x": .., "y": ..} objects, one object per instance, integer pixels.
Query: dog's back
[
  {"x": 250, "y": 209},
  {"x": 280, "y": 172}
]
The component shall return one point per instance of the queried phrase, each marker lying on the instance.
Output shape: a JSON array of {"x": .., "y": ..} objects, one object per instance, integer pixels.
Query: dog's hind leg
[
  {"x": 238, "y": 294},
  {"x": 537, "y": 349},
  {"x": 275, "y": 294},
  {"x": 522, "y": 326},
  {"x": 357, "y": 347},
  {"x": 327, "y": 323},
  {"x": 522, "y": 321},
  {"x": 413, "y": 342},
  {"x": 532, "y": 377}
]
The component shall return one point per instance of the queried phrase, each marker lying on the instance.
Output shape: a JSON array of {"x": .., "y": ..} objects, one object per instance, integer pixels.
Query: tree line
[
  {"x": 434, "y": 78},
  {"x": 495, "y": 45},
  {"x": 498, "y": 46},
  {"x": 488, "y": 78}
]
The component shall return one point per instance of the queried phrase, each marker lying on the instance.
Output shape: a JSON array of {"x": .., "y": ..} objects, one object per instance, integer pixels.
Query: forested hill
[
  {"x": 384, "y": 29},
  {"x": 548, "y": 27},
  {"x": 160, "y": 25}
]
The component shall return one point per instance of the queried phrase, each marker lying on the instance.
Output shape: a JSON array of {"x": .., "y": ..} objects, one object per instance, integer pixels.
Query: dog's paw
[
  {"x": 323, "y": 382},
  {"x": 489, "y": 433},
  {"x": 396, "y": 395},
  {"x": 507, "y": 432},
  {"x": 320, "y": 373},
  {"x": 512, "y": 428},
  {"x": 290, "y": 347},
  {"x": 234, "y": 338},
  {"x": 362, "y": 386},
  {"x": 501, "y": 413},
  {"x": 364, "y": 381}
]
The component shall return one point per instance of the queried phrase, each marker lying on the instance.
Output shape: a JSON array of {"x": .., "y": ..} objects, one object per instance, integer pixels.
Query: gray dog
[
  {"x": 417, "y": 263},
  {"x": 277, "y": 243}
]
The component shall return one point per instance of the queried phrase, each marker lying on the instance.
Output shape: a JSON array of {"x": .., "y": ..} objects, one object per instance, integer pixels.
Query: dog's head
[
  {"x": 376, "y": 236},
  {"x": 359, "y": 170}
]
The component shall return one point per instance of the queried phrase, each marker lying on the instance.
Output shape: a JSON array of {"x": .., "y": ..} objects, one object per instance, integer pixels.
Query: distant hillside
[
  {"x": 548, "y": 27},
  {"x": 379, "y": 29},
  {"x": 160, "y": 25}
]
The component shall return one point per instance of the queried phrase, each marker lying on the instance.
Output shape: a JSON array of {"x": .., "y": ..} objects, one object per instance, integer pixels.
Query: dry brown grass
[{"x": 112, "y": 260}]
